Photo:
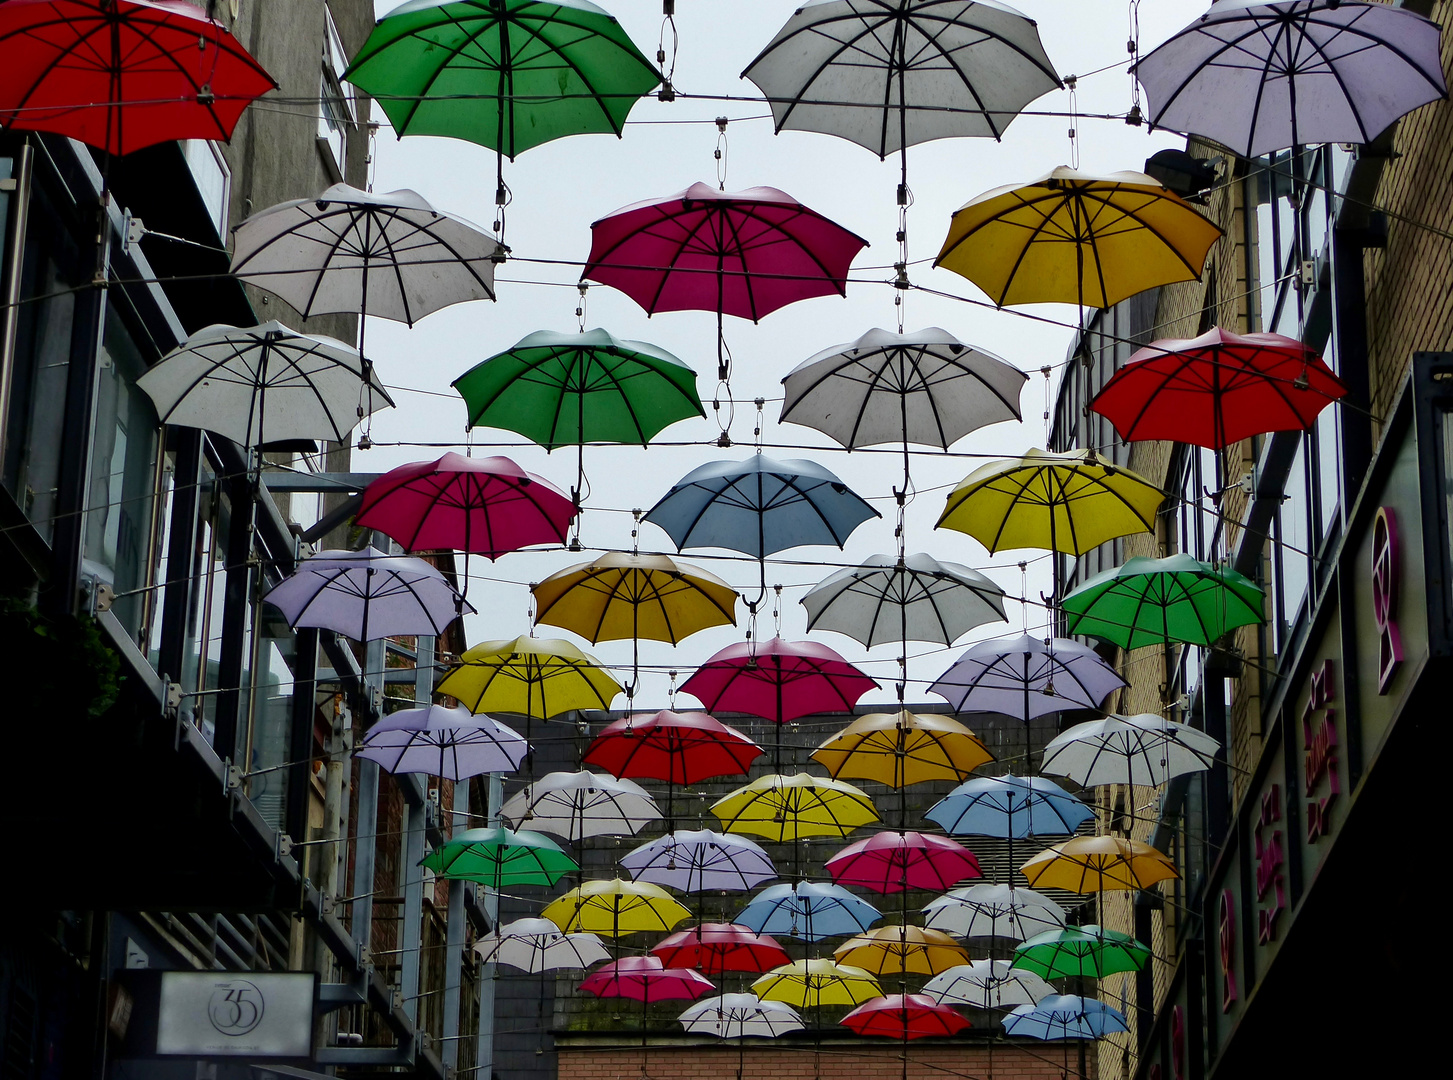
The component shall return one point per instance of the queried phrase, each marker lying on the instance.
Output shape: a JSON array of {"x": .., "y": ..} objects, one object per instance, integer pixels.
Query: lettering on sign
[
  {"x": 1385, "y": 575},
  {"x": 1178, "y": 1043},
  {"x": 1319, "y": 738},
  {"x": 1228, "y": 950},
  {"x": 1271, "y": 898}
]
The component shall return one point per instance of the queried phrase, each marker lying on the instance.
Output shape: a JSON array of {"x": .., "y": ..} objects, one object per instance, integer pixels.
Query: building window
[
  {"x": 337, "y": 114},
  {"x": 213, "y": 179}
]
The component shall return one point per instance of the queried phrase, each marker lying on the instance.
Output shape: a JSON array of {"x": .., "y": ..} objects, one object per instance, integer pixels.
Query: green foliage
[{"x": 62, "y": 664}]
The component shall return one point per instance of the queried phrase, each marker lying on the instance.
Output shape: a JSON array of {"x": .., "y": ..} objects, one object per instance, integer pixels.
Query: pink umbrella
[
  {"x": 487, "y": 506},
  {"x": 778, "y": 680},
  {"x": 890, "y": 862},
  {"x": 645, "y": 979}
]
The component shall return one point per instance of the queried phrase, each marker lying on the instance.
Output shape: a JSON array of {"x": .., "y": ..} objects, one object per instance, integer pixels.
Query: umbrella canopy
[
  {"x": 535, "y": 677},
  {"x": 616, "y": 908},
  {"x": 778, "y": 680},
  {"x": 1160, "y": 601},
  {"x": 905, "y": 1016},
  {"x": 1258, "y": 76},
  {"x": 817, "y": 983},
  {"x": 1088, "y": 864},
  {"x": 887, "y": 74},
  {"x": 890, "y": 950},
  {"x": 673, "y": 747},
  {"x": 436, "y": 741},
  {"x": 905, "y": 598},
  {"x": 808, "y": 911},
  {"x": 1218, "y": 389},
  {"x": 581, "y": 804},
  {"x": 1072, "y": 237},
  {"x": 890, "y": 862},
  {"x": 643, "y": 978},
  {"x": 483, "y": 506},
  {"x": 987, "y": 984},
  {"x": 700, "y": 861},
  {"x": 367, "y": 595},
  {"x": 264, "y": 383},
  {"x": 740, "y": 1016},
  {"x": 506, "y": 74},
  {"x": 993, "y": 911},
  {"x": 1146, "y": 749},
  {"x": 902, "y": 748},
  {"x": 1011, "y": 807},
  {"x": 1027, "y": 677},
  {"x": 622, "y": 595},
  {"x": 120, "y": 75},
  {"x": 389, "y": 255},
  {"x": 568, "y": 389},
  {"x": 716, "y": 948},
  {"x": 925, "y": 387},
  {"x": 538, "y": 945},
  {"x": 759, "y": 506},
  {"x": 499, "y": 857},
  {"x": 1092, "y": 951},
  {"x": 788, "y": 808},
  {"x": 1071, "y": 503},
  {"x": 1065, "y": 1016}
]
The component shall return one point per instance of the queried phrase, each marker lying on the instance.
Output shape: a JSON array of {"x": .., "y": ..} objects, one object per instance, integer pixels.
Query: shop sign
[
  {"x": 1320, "y": 777},
  {"x": 1386, "y": 568},
  {"x": 1271, "y": 897},
  {"x": 1227, "y": 936},
  {"x": 221, "y": 1014}
]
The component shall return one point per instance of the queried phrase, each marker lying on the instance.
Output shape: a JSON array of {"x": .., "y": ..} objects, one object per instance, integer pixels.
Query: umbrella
[
  {"x": 1065, "y": 1016},
  {"x": 1088, "y": 864},
  {"x": 123, "y": 74},
  {"x": 1258, "y": 76},
  {"x": 675, "y": 748},
  {"x": 1000, "y": 911},
  {"x": 778, "y": 680},
  {"x": 482, "y": 506},
  {"x": 817, "y": 983},
  {"x": 740, "y": 1016},
  {"x": 581, "y": 804},
  {"x": 538, "y": 945},
  {"x": 1074, "y": 951},
  {"x": 1027, "y": 677},
  {"x": 1160, "y": 601},
  {"x": 616, "y": 908},
  {"x": 902, "y": 599},
  {"x": 644, "y": 979},
  {"x": 716, "y": 948},
  {"x": 889, "y": 950},
  {"x": 532, "y": 677},
  {"x": 700, "y": 860},
  {"x": 787, "y": 808},
  {"x": 987, "y": 984},
  {"x": 1072, "y": 237},
  {"x": 1218, "y": 389},
  {"x": 437, "y": 741},
  {"x": 1009, "y": 806},
  {"x": 1147, "y": 750},
  {"x": 905, "y": 1016},
  {"x": 808, "y": 911},
  {"x": 366, "y": 595},
  {"x": 499, "y": 857},
  {"x": 263, "y": 383},
  {"x": 902, "y": 748},
  {"x": 891, "y": 862}
]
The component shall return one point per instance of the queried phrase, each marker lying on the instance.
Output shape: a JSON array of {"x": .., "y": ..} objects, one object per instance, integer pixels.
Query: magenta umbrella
[
  {"x": 890, "y": 862},
  {"x": 646, "y": 979},
  {"x": 778, "y": 680}
]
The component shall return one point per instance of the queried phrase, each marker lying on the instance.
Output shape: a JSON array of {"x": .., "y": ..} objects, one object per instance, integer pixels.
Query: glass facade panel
[{"x": 270, "y": 712}]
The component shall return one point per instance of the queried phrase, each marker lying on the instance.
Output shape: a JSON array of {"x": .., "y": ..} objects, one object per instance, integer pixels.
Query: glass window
[
  {"x": 270, "y": 712},
  {"x": 336, "y": 112},
  {"x": 213, "y": 179},
  {"x": 1294, "y": 540},
  {"x": 201, "y": 667}
]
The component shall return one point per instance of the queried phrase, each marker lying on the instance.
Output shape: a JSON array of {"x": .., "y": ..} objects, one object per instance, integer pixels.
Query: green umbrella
[
  {"x": 1158, "y": 601},
  {"x": 1092, "y": 951},
  {"x": 499, "y": 857}
]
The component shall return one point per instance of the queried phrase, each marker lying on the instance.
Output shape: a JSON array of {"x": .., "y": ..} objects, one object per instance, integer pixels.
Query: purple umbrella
[
  {"x": 453, "y": 743},
  {"x": 366, "y": 595},
  {"x": 1027, "y": 677},
  {"x": 701, "y": 861}
]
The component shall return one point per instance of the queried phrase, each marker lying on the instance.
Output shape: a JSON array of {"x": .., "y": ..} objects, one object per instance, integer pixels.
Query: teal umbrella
[
  {"x": 1092, "y": 951},
  {"x": 1159, "y": 601},
  {"x": 499, "y": 857}
]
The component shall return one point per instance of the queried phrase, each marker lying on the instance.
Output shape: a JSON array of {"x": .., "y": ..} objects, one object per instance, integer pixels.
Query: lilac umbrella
[
  {"x": 701, "y": 861},
  {"x": 1026, "y": 677},
  {"x": 452, "y": 743},
  {"x": 366, "y": 595}
]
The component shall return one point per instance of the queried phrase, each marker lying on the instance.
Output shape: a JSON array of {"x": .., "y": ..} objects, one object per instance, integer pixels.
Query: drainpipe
[{"x": 19, "y": 188}]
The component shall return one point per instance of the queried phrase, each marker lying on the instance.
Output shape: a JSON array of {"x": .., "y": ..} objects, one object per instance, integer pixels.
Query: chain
[
  {"x": 760, "y": 403},
  {"x": 777, "y": 610},
  {"x": 1047, "y": 372},
  {"x": 901, "y": 283},
  {"x": 668, "y": 74},
  {"x": 672, "y": 691},
  {"x": 580, "y": 307},
  {"x": 724, "y": 439},
  {"x": 720, "y": 153}
]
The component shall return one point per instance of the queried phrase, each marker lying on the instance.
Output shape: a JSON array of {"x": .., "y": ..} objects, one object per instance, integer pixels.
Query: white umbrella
[
  {"x": 1000, "y": 911},
  {"x": 1145, "y": 749},
  {"x": 912, "y": 598},
  {"x": 739, "y": 1016},
  {"x": 581, "y": 804},
  {"x": 987, "y": 984},
  {"x": 453, "y": 743},
  {"x": 537, "y": 945}
]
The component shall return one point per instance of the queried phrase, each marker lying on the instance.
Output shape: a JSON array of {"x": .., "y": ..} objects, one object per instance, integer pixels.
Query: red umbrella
[
  {"x": 890, "y": 862},
  {"x": 716, "y": 948},
  {"x": 645, "y": 979},
  {"x": 904, "y": 1016},
  {"x": 1217, "y": 389},
  {"x": 122, "y": 74},
  {"x": 488, "y": 506},
  {"x": 678, "y": 748},
  {"x": 778, "y": 680}
]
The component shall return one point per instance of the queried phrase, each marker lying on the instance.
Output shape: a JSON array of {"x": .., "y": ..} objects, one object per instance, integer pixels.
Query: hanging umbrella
[
  {"x": 1074, "y": 951},
  {"x": 644, "y": 979},
  {"x": 499, "y": 857},
  {"x": 263, "y": 383},
  {"x": 778, "y": 680},
  {"x": 808, "y": 911},
  {"x": 437, "y": 741},
  {"x": 1072, "y": 237},
  {"x": 582, "y": 804},
  {"x": 1147, "y": 750},
  {"x": 740, "y": 1016},
  {"x": 902, "y": 748},
  {"x": 1218, "y": 389},
  {"x": 123, "y": 74},
  {"x": 901, "y": 599},
  {"x": 538, "y": 945},
  {"x": 700, "y": 860},
  {"x": 1027, "y": 677},
  {"x": 905, "y": 1016},
  {"x": 483, "y": 506},
  {"x": 785, "y": 809},
  {"x": 616, "y": 908},
  {"x": 1160, "y": 601},
  {"x": 817, "y": 983},
  {"x": 889, "y": 950},
  {"x": 1258, "y": 76},
  {"x": 890, "y": 862},
  {"x": 1088, "y": 864},
  {"x": 1009, "y": 806},
  {"x": 627, "y": 595},
  {"x": 987, "y": 984},
  {"x": 675, "y": 748},
  {"x": 716, "y": 948},
  {"x": 529, "y": 676},
  {"x": 1065, "y": 1016},
  {"x": 993, "y": 911}
]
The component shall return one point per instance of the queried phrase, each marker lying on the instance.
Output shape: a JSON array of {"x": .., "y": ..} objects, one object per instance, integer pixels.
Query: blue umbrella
[
  {"x": 808, "y": 911},
  {"x": 1065, "y": 1016},
  {"x": 1011, "y": 807}
]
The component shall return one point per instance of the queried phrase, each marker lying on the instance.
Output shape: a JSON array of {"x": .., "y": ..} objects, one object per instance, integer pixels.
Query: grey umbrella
[
  {"x": 453, "y": 743},
  {"x": 1025, "y": 677}
]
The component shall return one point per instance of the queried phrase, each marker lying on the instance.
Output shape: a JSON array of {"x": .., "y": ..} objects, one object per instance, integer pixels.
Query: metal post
[
  {"x": 411, "y": 872},
  {"x": 19, "y": 186},
  {"x": 484, "y": 1038},
  {"x": 454, "y": 940}
]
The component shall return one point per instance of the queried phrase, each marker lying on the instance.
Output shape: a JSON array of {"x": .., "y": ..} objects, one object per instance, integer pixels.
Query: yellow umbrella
[
  {"x": 889, "y": 950},
  {"x": 787, "y": 808},
  {"x": 616, "y": 908},
  {"x": 535, "y": 677},
  {"x": 621, "y": 595},
  {"x": 1071, "y": 502},
  {"x": 1077, "y": 238},
  {"x": 1088, "y": 864},
  {"x": 902, "y": 748},
  {"x": 817, "y": 982}
]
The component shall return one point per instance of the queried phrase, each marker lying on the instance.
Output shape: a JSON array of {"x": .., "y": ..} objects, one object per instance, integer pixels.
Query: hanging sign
[{"x": 224, "y": 1014}]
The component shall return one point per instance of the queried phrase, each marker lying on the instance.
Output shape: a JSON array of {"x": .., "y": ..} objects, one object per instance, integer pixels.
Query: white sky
[{"x": 561, "y": 187}]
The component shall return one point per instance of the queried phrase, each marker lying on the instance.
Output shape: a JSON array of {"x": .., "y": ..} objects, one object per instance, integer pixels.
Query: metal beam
[
  {"x": 321, "y": 483},
  {"x": 484, "y": 1035}
]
